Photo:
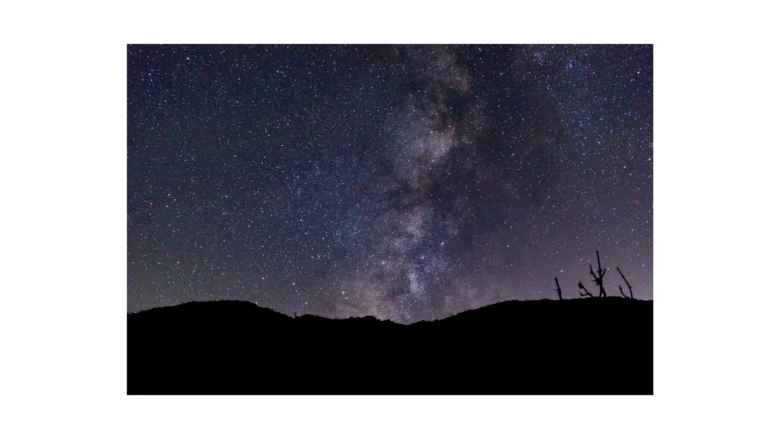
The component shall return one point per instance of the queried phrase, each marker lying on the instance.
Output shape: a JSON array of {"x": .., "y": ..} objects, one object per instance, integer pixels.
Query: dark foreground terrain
[{"x": 581, "y": 346}]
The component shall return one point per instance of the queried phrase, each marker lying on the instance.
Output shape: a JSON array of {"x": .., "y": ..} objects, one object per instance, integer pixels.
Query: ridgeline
[{"x": 579, "y": 346}]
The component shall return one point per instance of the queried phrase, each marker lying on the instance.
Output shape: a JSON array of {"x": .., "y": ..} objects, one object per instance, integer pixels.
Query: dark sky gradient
[{"x": 404, "y": 182}]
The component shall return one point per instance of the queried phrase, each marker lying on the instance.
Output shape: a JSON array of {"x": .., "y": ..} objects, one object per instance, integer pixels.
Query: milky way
[{"x": 404, "y": 182}]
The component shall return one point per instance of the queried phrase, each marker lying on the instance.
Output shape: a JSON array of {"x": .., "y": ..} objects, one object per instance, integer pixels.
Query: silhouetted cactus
[
  {"x": 559, "y": 289},
  {"x": 582, "y": 288},
  {"x": 599, "y": 280},
  {"x": 629, "y": 285}
]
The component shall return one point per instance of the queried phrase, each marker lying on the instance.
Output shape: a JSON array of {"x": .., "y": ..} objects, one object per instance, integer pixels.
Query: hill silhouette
[{"x": 580, "y": 346}]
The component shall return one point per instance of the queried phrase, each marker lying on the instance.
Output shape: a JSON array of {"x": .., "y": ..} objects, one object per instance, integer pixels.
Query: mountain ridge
[{"x": 577, "y": 346}]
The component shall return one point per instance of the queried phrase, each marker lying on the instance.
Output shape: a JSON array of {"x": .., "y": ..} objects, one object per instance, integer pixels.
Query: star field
[{"x": 404, "y": 182}]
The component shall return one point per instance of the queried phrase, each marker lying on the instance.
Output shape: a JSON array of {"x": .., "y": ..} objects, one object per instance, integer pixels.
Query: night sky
[{"x": 403, "y": 182}]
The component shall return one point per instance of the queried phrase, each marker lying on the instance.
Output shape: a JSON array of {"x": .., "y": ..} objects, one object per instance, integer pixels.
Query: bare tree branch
[
  {"x": 598, "y": 258},
  {"x": 582, "y": 287},
  {"x": 629, "y": 285},
  {"x": 599, "y": 280}
]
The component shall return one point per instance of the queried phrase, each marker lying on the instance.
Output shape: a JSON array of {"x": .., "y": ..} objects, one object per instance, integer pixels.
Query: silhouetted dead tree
[
  {"x": 559, "y": 289},
  {"x": 630, "y": 291},
  {"x": 620, "y": 287},
  {"x": 582, "y": 288},
  {"x": 599, "y": 280}
]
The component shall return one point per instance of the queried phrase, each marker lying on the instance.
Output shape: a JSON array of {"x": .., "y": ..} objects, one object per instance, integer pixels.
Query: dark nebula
[{"x": 403, "y": 182}]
